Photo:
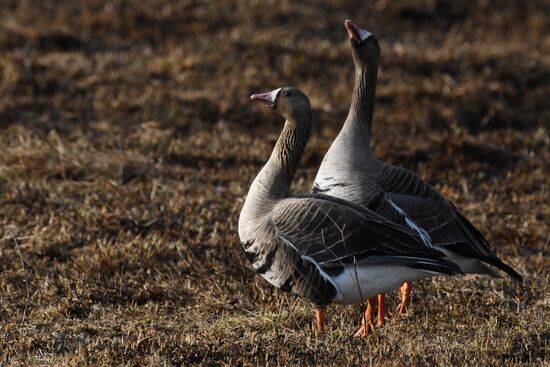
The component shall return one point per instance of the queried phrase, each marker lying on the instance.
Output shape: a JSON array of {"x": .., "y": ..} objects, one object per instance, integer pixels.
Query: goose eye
[{"x": 286, "y": 93}]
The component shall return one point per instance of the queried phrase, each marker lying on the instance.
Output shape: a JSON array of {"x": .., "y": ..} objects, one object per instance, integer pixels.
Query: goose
[
  {"x": 350, "y": 171},
  {"x": 324, "y": 249}
]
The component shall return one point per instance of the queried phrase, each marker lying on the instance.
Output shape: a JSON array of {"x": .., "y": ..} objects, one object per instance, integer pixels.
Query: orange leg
[
  {"x": 367, "y": 323},
  {"x": 381, "y": 309},
  {"x": 321, "y": 315},
  {"x": 406, "y": 290}
]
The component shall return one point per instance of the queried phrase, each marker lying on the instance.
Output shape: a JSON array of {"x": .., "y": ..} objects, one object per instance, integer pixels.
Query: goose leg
[
  {"x": 406, "y": 290},
  {"x": 367, "y": 322},
  {"x": 321, "y": 315},
  {"x": 381, "y": 309}
]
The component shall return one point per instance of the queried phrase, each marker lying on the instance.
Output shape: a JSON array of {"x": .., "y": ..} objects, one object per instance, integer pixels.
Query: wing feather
[
  {"x": 331, "y": 230},
  {"x": 446, "y": 226}
]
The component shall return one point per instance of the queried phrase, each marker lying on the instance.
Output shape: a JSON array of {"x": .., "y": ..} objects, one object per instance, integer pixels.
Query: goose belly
[
  {"x": 280, "y": 264},
  {"x": 269, "y": 261},
  {"x": 357, "y": 284}
]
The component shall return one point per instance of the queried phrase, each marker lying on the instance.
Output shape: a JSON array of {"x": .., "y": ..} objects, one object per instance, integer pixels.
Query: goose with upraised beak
[{"x": 351, "y": 172}]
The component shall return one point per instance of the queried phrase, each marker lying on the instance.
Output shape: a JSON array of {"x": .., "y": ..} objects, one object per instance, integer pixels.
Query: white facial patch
[
  {"x": 274, "y": 94},
  {"x": 363, "y": 35}
]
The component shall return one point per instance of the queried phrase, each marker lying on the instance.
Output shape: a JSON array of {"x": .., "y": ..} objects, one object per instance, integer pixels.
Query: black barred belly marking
[{"x": 284, "y": 268}]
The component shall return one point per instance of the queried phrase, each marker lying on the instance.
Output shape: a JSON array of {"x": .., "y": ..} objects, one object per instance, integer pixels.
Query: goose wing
[
  {"x": 333, "y": 231},
  {"x": 368, "y": 192},
  {"x": 446, "y": 226}
]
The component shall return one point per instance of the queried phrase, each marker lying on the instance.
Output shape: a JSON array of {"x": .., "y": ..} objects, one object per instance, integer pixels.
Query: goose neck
[
  {"x": 362, "y": 102},
  {"x": 288, "y": 151},
  {"x": 274, "y": 180}
]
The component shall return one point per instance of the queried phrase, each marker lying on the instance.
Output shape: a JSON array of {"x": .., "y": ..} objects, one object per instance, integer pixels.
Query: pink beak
[
  {"x": 355, "y": 33},
  {"x": 266, "y": 98},
  {"x": 262, "y": 97},
  {"x": 352, "y": 30}
]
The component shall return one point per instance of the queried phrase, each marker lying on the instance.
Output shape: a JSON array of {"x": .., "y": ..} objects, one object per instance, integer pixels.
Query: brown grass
[{"x": 127, "y": 145}]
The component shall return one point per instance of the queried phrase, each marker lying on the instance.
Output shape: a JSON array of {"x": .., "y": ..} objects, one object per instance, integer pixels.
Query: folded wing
[
  {"x": 331, "y": 232},
  {"x": 446, "y": 226}
]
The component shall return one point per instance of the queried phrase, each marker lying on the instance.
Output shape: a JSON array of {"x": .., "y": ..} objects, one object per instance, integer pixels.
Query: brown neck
[
  {"x": 289, "y": 148},
  {"x": 274, "y": 180},
  {"x": 362, "y": 101}
]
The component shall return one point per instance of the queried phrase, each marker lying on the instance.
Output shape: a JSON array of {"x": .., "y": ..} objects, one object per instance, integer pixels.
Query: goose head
[
  {"x": 289, "y": 102},
  {"x": 364, "y": 46}
]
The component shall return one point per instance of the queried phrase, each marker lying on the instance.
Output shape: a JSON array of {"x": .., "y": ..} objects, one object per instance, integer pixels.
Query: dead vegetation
[{"x": 127, "y": 145}]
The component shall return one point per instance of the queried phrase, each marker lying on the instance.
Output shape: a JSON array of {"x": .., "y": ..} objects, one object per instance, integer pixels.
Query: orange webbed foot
[
  {"x": 367, "y": 323},
  {"x": 406, "y": 290}
]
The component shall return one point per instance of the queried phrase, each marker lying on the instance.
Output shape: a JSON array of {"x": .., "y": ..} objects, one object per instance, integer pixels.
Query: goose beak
[
  {"x": 266, "y": 98},
  {"x": 355, "y": 33}
]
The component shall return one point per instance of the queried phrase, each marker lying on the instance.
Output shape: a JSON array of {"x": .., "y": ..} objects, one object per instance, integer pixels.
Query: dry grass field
[{"x": 127, "y": 145}]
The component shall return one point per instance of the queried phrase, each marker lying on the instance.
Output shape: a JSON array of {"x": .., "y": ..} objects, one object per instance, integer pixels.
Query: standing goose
[
  {"x": 351, "y": 172},
  {"x": 321, "y": 248}
]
